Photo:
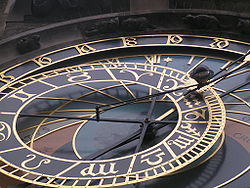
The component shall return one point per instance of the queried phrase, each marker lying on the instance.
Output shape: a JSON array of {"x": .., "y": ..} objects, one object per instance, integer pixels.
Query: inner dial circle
[
  {"x": 84, "y": 94},
  {"x": 200, "y": 122}
]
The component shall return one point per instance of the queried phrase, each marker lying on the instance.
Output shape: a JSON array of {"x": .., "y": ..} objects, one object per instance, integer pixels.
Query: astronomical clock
[
  {"x": 132, "y": 94},
  {"x": 160, "y": 110}
]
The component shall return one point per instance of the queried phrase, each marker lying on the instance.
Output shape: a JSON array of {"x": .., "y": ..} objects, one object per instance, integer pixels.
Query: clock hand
[
  {"x": 124, "y": 141},
  {"x": 141, "y": 135},
  {"x": 235, "y": 88},
  {"x": 203, "y": 75},
  {"x": 134, "y": 135},
  {"x": 145, "y": 125},
  {"x": 80, "y": 118},
  {"x": 131, "y": 101},
  {"x": 240, "y": 66},
  {"x": 118, "y": 144},
  {"x": 244, "y": 57}
]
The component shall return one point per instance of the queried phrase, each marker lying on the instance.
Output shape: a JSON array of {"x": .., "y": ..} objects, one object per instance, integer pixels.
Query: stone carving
[
  {"x": 101, "y": 27},
  {"x": 68, "y": 4},
  {"x": 243, "y": 26},
  {"x": 135, "y": 24},
  {"x": 116, "y": 25},
  {"x": 28, "y": 44},
  {"x": 201, "y": 22},
  {"x": 42, "y": 7}
]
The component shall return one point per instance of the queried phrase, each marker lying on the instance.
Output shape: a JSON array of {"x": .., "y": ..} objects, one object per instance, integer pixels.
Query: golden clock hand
[
  {"x": 222, "y": 77},
  {"x": 245, "y": 57},
  {"x": 245, "y": 63},
  {"x": 235, "y": 88}
]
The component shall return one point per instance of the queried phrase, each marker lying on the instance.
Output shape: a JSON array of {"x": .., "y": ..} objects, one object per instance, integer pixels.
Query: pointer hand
[
  {"x": 80, "y": 118},
  {"x": 135, "y": 135}
]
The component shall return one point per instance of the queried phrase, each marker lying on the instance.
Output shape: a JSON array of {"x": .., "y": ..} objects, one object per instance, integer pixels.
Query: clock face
[{"x": 125, "y": 110}]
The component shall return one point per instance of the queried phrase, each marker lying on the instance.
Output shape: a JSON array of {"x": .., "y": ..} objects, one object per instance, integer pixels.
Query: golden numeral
[
  {"x": 174, "y": 39},
  {"x": 181, "y": 142},
  {"x": 85, "y": 49},
  {"x": 219, "y": 43},
  {"x": 154, "y": 59},
  {"x": 3, "y": 126},
  {"x": 192, "y": 116},
  {"x": 22, "y": 95},
  {"x": 159, "y": 155},
  {"x": 188, "y": 128},
  {"x": 32, "y": 157},
  {"x": 42, "y": 61},
  {"x": 101, "y": 170},
  {"x": 129, "y": 41},
  {"x": 5, "y": 78}
]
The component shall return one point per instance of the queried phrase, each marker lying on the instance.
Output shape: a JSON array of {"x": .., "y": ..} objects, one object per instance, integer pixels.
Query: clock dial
[{"x": 121, "y": 111}]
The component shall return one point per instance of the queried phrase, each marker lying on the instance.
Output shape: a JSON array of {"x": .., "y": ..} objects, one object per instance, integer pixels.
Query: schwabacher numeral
[
  {"x": 154, "y": 154},
  {"x": 102, "y": 169},
  {"x": 32, "y": 157},
  {"x": 219, "y": 43},
  {"x": 5, "y": 131},
  {"x": 129, "y": 41}
]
